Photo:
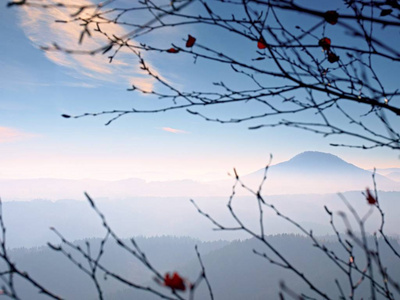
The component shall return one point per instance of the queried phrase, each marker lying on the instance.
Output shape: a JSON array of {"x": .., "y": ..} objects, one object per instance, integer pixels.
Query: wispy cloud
[
  {"x": 8, "y": 134},
  {"x": 40, "y": 27},
  {"x": 80, "y": 85},
  {"x": 173, "y": 130}
]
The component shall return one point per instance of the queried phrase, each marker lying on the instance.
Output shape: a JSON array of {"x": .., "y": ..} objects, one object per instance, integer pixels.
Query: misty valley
[{"x": 167, "y": 229}]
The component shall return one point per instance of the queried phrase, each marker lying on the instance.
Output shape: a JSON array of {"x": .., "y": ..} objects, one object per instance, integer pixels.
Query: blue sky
[{"x": 36, "y": 142}]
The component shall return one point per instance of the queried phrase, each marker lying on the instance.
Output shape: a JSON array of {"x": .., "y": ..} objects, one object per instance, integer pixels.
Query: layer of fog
[{"x": 28, "y": 222}]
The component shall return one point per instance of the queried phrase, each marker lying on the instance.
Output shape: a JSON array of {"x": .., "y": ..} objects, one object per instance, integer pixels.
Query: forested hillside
[{"x": 234, "y": 271}]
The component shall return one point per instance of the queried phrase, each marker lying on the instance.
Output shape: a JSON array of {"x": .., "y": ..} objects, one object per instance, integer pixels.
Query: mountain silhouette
[
  {"x": 318, "y": 172},
  {"x": 313, "y": 161}
]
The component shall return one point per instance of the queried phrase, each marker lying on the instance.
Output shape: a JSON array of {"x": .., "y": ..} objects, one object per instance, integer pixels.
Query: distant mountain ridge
[
  {"x": 319, "y": 172},
  {"x": 391, "y": 173},
  {"x": 307, "y": 172},
  {"x": 313, "y": 160}
]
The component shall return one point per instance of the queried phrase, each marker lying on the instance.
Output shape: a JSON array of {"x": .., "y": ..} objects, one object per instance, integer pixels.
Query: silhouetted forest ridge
[{"x": 234, "y": 271}]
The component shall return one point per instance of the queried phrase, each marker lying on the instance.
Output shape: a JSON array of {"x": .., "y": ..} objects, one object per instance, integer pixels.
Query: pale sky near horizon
[{"x": 36, "y": 142}]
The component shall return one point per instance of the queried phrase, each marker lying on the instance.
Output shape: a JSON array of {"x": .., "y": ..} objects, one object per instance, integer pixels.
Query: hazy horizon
[
  {"x": 198, "y": 176},
  {"x": 309, "y": 172}
]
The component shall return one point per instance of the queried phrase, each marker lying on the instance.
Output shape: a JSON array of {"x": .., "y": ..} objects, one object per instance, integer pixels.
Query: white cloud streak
[{"x": 40, "y": 27}]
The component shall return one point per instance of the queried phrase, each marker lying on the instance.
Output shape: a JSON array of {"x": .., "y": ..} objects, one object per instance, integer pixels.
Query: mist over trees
[{"x": 320, "y": 68}]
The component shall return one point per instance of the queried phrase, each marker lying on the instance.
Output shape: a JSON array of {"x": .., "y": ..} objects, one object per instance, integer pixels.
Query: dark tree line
[{"x": 327, "y": 75}]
